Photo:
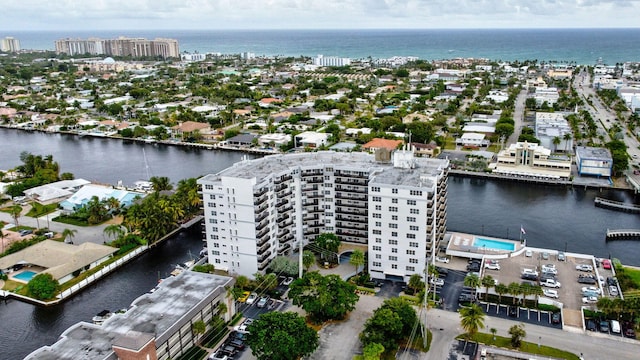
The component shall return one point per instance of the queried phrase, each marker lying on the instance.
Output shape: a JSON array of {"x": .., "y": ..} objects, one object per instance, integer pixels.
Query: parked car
[
  {"x": 492, "y": 266},
  {"x": 587, "y": 280},
  {"x": 252, "y": 298},
  {"x": 561, "y": 256},
  {"x": 25, "y": 232},
  {"x": 218, "y": 356},
  {"x": 442, "y": 271},
  {"x": 549, "y": 269},
  {"x": 551, "y": 283},
  {"x": 584, "y": 267},
  {"x": 474, "y": 266},
  {"x": 442, "y": 259},
  {"x": 242, "y": 328},
  {"x": 604, "y": 326},
  {"x": 244, "y": 296},
  {"x": 287, "y": 281},
  {"x": 555, "y": 318},
  {"x": 550, "y": 293},
  {"x": 465, "y": 298},
  {"x": 236, "y": 343},
  {"x": 591, "y": 288},
  {"x": 589, "y": 300},
  {"x": 529, "y": 276},
  {"x": 437, "y": 281},
  {"x": 613, "y": 290},
  {"x": 590, "y": 293},
  {"x": 629, "y": 331},
  {"x": 262, "y": 302},
  {"x": 606, "y": 264},
  {"x": 612, "y": 281},
  {"x": 528, "y": 253},
  {"x": 545, "y": 255},
  {"x": 591, "y": 325},
  {"x": 615, "y": 327}
]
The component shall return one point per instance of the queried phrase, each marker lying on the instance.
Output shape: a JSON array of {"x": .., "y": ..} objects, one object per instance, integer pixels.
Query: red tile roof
[{"x": 378, "y": 143}]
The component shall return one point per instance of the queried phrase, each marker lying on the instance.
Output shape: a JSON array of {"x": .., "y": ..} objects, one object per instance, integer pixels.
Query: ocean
[{"x": 579, "y": 46}]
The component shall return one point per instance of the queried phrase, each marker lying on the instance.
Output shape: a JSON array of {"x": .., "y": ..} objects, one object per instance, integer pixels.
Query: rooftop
[{"x": 593, "y": 153}]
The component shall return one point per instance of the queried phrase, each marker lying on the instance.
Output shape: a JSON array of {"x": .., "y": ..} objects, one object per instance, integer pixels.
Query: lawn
[
  {"x": 41, "y": 210},
  {"x": 527, "y": 347}
]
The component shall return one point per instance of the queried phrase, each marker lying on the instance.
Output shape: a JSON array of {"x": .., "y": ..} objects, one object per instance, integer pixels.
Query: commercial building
[
  {"x": 157, "y": 325},
  {"x": 532, "y": 160},
  {"x": 550, "y": 126},
  {"x": 594, "y": 161},
  {"x": 122, "y": 46},
  {"x": 10, "y": 44},
  {"x": 259, "y": 209}
]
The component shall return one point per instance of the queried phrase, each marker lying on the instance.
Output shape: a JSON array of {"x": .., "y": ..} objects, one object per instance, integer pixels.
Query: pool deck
[
  {"x": 461, "y": 244},
  {"x": 34, "y": 269}
]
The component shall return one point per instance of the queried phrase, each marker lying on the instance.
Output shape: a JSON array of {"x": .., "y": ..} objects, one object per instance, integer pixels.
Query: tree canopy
[
  {"x": 281, "y": 336},
  {"x": 43, "y": 286},
  {"x": 391, "y": 323},
  {"x": 323, "y": 297}
]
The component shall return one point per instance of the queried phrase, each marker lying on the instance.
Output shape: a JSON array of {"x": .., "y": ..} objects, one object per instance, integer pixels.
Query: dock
[
  {"x": 617, "y": 205},
  {"x": 623, "y": 234}
]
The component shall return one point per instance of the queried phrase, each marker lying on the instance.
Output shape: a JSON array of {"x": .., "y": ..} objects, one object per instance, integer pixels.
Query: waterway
[{"x": 553, "y": 217}]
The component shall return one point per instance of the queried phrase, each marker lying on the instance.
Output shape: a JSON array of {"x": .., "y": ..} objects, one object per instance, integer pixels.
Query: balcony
[
  {"x": 353, "y": 204},
  {"x": 260, "y": 192},
  {"x": 351, "y": 225},
  {"x": 352, "y": 181},
  {"x": 352, "y": 196},
  {"x": 265, "y": 256},
  {"x": 315, "y": 231},
  {"x": 264, "y": 248},
  {"x": 354, "y": 218},
  {"x": 284, "y": 222},
  {"x": 313, "y": 195},
  {"x": 261, "y": 208},
  {"x": 310, "y": 202},
  {"x": 349, "y": 210},
  {"x": 262, "y": 216},
  {"x": 287, "y": 238},
  {"x": 350, "y": 232},
  {"x": 281, "y": 202},
  {"x": 356, "y": 189},
  {"x": 262, "y": 225},
  {"x": 311, "y": 216},
  {"x": 282, "y": 179},
  {"x": 261, "y": 235},
  {"x": 283, "y": 249}
]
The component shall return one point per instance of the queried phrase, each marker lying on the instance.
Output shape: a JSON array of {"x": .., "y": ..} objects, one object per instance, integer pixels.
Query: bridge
[
  {"x": 623, "y": 234},
  {"x": 616, "y": 205}
]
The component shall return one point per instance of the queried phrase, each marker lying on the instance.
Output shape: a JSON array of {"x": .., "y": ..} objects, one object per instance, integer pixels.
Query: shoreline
[{"x": 261, "y": 152}]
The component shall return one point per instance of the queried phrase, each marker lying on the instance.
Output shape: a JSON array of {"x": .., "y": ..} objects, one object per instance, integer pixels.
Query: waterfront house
[
  {"x": 593, "y": 161},
  {"x": 87, "y": 192},
  {"x": 186, "y": 129},
  {"x": 55, "y": 191},
  {"x": 311, "y": 139}
]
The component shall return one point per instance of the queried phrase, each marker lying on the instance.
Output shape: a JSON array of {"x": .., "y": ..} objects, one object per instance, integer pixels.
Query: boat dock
[
  {"x": 623, "y": 234},
  {"x": 617, "y": 205}
]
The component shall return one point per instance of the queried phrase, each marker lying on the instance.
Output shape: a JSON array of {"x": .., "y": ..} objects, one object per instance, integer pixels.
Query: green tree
[
  {"x": 323, "y": 297},
  {"x": 416, "y": 283},
  {"x": 357, "y": 259},
  {"x": 501, "y": 289},
  {"x": 373, "y": 351},
  {"x": 556, "y": 141},
  {"x": 43, "y": 286},
  {"x": 328, "y": 245},
  {"x": 488, "y": 282},
  {"x": 198, "y": 328},
  {"x": 114, "y": 230},
  {"x": 284, "y": 264},
  {"x": 69, "y": 233},
  {"x": 308, "y": 258},
  {"x": 281, "y": 336},
  {"x": 15, "y": 212},
  {"x": 242, "y": 282},
  {"x": 472, "y": 281},
  {"x": 471, "y": 320},
  {"x": 515, "y": 290},
  {"x": 390, "y": 324},
  {"x": 517, "y": 333},
  {"x": 160, "y": 183}
]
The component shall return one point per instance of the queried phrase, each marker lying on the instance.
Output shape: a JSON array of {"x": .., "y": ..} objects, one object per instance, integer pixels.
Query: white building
[
  {"x": 10, "y": 44},
  {"x": 258, "y": 209},
  {"x": 311, "y": 139},
  {"x": 594, "y": 161},
  {"x": 549, "y": 95},
  {"x": 524, "y": 159},
  {"x": 549, "y": 126},
  {"x": 321, "y": 60}
]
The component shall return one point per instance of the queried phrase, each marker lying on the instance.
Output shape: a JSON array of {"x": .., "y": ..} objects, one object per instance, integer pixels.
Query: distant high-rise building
[
  {"x": 10, "y": 44},
  {"x": 321, "y": 60},
  {"x": 122, "y": 46}
]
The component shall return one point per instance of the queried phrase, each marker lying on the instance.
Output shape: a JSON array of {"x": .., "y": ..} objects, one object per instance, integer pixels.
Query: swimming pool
[
  {"x": 493, "y": 244},
  {"x": 25, "y": 276}
]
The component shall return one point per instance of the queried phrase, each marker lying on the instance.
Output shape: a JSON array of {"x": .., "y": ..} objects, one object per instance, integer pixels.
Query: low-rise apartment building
[{"x": 259, "y": 209}]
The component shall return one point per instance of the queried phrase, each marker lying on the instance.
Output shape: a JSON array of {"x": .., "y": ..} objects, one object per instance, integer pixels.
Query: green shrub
[{"x": 43, "y": 286}]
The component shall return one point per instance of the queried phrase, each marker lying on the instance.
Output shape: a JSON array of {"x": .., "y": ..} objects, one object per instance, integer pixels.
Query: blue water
[
  {"x": 582, "y": 46},
  {"x": 493, "y": 244},
  {"x": 25, "y": 276}
]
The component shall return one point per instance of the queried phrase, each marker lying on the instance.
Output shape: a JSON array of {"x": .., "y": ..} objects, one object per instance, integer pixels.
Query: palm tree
[
  {"x": 472, "y": 281},
  {"x": 357, "y": 259},
  {"x": 537, "y": 291},
  {"x": 471, "y": 320},
  {"x": 308, "y": 258},
  {"x": 160, "y": 183},
  {"x": 114, "y": 230},
  {"x": 517, "y": 333},
  {"x": 566, "y": 137},
  {"x": 515, "y": 290},
  {"x": 501, "y": 289},
  {"x": 15, "y": 211},
  {"x": 488, "y": 282},
  {"x": 556, "y": 141},
  {"x": 69, "y": 233},
  {"x": 493, "y": 332},
  {"x": 415, "y": 283}
]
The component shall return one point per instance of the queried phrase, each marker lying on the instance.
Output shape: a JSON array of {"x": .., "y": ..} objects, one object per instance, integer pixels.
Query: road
[{"x": 518, "y": 117}]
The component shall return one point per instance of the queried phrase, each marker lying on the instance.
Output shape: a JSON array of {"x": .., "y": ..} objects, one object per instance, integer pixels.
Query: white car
[
  {"x": 528, "y": 253},
  {"x": 592, "y": 289},
  {"x": 442, "y": 259},
  {"x": 242, "y": 328},
  {"x": 287, "y": 281},
  {"x": 252, "y": 298},
  {"x": 437, "y": 281},
  {"x": 589, "y": 300},
  {"x": 584, "y": 267},
  {"x": 549, "y": 269},
  {"x": 492, "y": 266},
  {"x": 550, "y": 293},
  {"x": 551, "y": 283},
  {"x": 613, "y": 290}
]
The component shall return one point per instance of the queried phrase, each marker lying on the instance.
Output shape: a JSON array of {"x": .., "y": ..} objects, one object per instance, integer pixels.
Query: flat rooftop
[
  {"x": 152, "y": 313},
  {"x": 358, "y": 161}
]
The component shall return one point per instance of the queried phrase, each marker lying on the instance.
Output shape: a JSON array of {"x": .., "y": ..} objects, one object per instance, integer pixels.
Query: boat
[
  {"x": 101, "y": 317},
  {"x": 182, "y": 267}
]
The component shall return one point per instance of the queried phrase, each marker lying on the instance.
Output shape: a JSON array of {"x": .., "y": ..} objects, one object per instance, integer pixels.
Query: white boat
[{"x": 101, "y": 317}]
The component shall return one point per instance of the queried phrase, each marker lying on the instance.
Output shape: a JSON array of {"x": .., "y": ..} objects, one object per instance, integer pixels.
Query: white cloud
[{"x": 244, "y": 14}]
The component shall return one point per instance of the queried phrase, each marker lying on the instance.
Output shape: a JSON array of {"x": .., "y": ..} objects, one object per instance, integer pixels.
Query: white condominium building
[
  {"x": 321, "y": 60},
  {"x": 10, "y": 44},
  {"x": 259, "y": 209},
  {"x": 122, "y": 46}
]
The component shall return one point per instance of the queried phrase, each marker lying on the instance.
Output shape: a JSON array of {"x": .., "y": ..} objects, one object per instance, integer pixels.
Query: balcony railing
[{"x": 345, "y": 209}]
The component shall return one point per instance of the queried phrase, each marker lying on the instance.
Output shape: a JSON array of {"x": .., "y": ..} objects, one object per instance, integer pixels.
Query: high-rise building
[
  {"x": 259, "y": 209},
  {"x": 321, "y": 60},
  {"x": 10, "y": 44},
  {"x": 122, "y": 46}
]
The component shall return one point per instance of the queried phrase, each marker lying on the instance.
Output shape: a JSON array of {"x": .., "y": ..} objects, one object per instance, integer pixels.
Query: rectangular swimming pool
[
  {"x": 493, "y": 244},
  {"x": 25, "y": 276}
]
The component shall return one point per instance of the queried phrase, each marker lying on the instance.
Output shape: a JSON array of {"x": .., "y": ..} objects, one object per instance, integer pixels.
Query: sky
[{"x": 23, "y": 15}]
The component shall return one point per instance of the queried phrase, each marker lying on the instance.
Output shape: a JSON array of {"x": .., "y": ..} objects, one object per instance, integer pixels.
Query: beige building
[
  {"x": 10, "y": 44},
  {"x": 122, "y": 46},
  {"x": 532, "y": 160}
]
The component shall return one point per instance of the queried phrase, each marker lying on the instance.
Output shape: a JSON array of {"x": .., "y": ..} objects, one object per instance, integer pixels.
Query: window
[
  {"x": 411, "y": 252},
  {"x": 413, "y": 228},
  {"x": 208, "y": 187},
  {"x": 377, "y": 216},
  {"x": 393, "y": 209},
  {"x": 376, "y": 199},
  {"x": 378, "y": 241},
  {"x": 411, "y": 219},
  {"x": 411, "y": 202},
  {"x": 413, "y": 261},
  {"x": 377, "y": 232},
  {"x": 213, "y": 221},
  {"x": 394, "y": 217},
  {"x": 378, "y": 223},
  {"x": 395, "y": 191},
  {"x": 394, "y": 233},
  {"x": 413, "y": 244},
  {"x": 411, "y": 236},
  {"x": 415, "y": 192},
  {"x": 211, "y": 204},
  {"x": 393, "y": 242},
  {"x": 377, "y": 264},
  {"x": 393, "y": 225},
  {"x": 216, "y": 245},
  {"x": 378, "y": 207},
  {"x": 394, "y": 250},
  {"x": 377, "y": 248},
  {"x": 394, "y": 266},
  {"x": 414, "y": 211},
  {"x": 395, "y": 201},
  {"x": 410, "y": 268},
  {"x": 214, "y": 229},
  {"x": 393, "y": 258},
  {"x": 216, "y": 253},
  {"x": 378, "y": 256},
  {"x": 375, "y": 189}
]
